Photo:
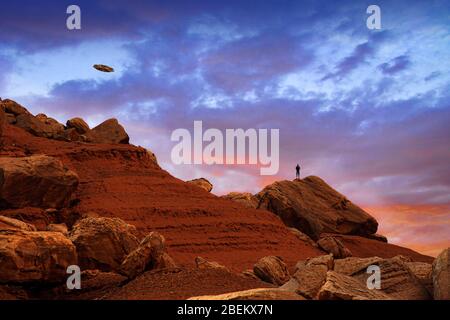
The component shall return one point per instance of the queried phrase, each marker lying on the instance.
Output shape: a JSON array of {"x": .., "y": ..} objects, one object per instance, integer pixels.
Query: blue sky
[{"x": 367, "y": 110}]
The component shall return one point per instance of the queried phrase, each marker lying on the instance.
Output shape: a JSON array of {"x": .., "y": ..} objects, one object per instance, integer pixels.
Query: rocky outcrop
[
  {"x": 424, "y": 272},
  {"x": 103, "y": 243},
  {"x": 341, "y": 287},
  {"x": 272, "y": 269},
  {"x": 334, "y": 246},
  {"x": 78, "y": 124},
  {"x": 109, "y": 131},
  {"x": 202, "y": 263},
  {"x": 36, "y": 181},
  {"x": 7, "y": 223},
  {"x": 254, "y": 294},
  {"x": 76, "y": 129},
  {"x": 313, "y": 207},
  {"x": 202, "y": 183},
  {"x": 39, "y": 128},
  {"x": 397, "y": 280},
  {"x": 245, "y": 198},
  {"x": 28, "y": 256},
  {"x": 441, "y": 276},
  {"x": 12, "y": 107},
  {"x": 54, "y": 124},
  {"x": 149, "y": 255}
]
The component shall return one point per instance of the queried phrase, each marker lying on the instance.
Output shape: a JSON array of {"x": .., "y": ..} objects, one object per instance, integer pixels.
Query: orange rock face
[
  {"x": 35, "y": 181},
  {"x": 29, "y": 256}
]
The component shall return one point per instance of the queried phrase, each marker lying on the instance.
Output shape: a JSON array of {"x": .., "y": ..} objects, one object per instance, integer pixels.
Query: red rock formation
[{"x": 193, "y": 223}]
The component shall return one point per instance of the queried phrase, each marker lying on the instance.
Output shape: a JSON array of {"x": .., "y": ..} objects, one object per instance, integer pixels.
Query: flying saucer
[{"x": 103, "y": 68}]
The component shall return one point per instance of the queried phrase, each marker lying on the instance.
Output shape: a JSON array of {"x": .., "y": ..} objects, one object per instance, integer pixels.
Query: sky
[{"x": 366, "y": 110}]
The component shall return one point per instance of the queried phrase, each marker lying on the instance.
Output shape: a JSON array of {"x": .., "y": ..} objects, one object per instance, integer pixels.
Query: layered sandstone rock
[
  {"x": 103, "y": 243},
  {"x": 341, "y": 287},
  {"x": 272, "y": 269},
  {"x": 7, "y": 223},
  {"x": 35, "y": 181},
  {"x": 441, "y": 276},
  {"x": 396, "y": 278},
  {"x": 29, "y": 256},
  {"x": 202, "y": 183},
  {"x": 313, "y": 207}
]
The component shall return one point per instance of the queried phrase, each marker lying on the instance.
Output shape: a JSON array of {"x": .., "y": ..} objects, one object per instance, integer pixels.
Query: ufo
[{"x": 103, "y": 68}]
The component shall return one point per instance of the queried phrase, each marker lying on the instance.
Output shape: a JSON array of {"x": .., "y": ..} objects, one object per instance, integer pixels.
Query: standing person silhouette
[{"x": 297, "y": 171}]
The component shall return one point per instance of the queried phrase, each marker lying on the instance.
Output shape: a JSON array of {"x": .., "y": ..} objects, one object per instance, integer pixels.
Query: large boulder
[
  {"x": 202, "y": 183},
  {"x": 35, "y": 181},
  {"x": 341, "y": 287},
  {"x": 396, "y": 278},
  {"x": 103, "y": 243},
  {"x": 78, "y": 124},
  {"x": 313, "y": 207},
  {"x": 334, "y": 246},
  {"x": 310, "y": 276},
  {"x": 109, "y": 131},
  {"x": 272, "y": 269},
  {"x": 150, "y": 254},
  {"x": 29, "y": 256},
  {"x": 254, "y": 294},
  {"x": 441, "y": 276},
  {"x": 245, "y": 198}
]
